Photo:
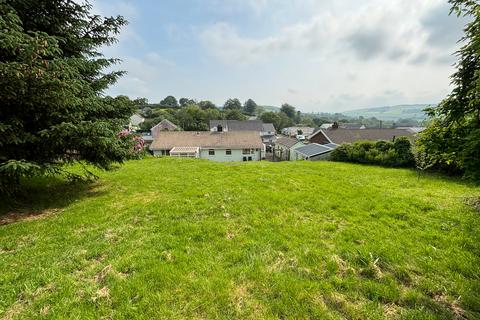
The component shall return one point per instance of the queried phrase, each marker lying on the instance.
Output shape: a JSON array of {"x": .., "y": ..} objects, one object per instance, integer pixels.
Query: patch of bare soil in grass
[
  {"x": 25, "y": 300},
  {"x": 343, "y": 267},
  {"x": 392, "y": 311},
  {"x": 452, "y": 305},
  {"x": 348, "y": 309},
  {"x": 16, "y": 216},
  {"x": 244, "y": 301},
  {"x": 473, "y": 202}
]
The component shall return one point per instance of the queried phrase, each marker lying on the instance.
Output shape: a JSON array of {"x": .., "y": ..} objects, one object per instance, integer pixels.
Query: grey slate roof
[
  {"x": 340, "y": 136},
  {"x": 313, "y": 149},
  {"x": 286, "y": 142},
  {"x": 236, "y": 125},
  {"x": 332, "y": 145},
  {"x": 268, "y": 127}
]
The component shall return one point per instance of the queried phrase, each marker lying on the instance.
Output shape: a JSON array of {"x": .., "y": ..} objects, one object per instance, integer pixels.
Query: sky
[{"x": 317, "y": 55}]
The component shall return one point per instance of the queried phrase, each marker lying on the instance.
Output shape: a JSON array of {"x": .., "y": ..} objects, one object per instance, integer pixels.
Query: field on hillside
[
  {"x": 173, "y": 238},
  {"x": 394, "y": 113}
]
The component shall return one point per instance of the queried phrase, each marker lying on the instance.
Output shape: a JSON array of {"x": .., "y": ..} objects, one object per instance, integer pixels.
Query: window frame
[{"x": 211, "y": 152}]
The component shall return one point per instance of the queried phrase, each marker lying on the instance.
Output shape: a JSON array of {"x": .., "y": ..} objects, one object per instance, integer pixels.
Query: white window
[
  {"x": 246, "y": 151},
  {"x": 228, "y": 152},
  {"x": 211, "y": 152}
]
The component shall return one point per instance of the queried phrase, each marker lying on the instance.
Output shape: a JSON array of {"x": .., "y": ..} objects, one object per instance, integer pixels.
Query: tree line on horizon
[
  {"x": 194, "y": 115},
  {"x": 191, "y": 115}
]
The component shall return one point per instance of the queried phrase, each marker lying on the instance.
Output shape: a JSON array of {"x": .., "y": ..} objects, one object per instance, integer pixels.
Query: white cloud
[
  {"x": 329, "y": 55},
  {"x": 345, "y": 55},
  {"x": 380, "y": 29}
]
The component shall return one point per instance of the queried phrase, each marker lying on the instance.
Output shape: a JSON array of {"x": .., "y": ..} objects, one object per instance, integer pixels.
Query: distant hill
[{"x": 414, "y": 111}]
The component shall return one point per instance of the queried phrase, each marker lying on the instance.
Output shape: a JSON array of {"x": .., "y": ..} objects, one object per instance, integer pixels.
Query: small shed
[
  {"x": 313, "y": 151},
  {"x": 284, "y": 147}
]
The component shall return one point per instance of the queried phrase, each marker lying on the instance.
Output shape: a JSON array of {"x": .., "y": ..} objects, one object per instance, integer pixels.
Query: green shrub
[
  {"x": 340, "y": 154},
  {"x": 385, "y": 153}
]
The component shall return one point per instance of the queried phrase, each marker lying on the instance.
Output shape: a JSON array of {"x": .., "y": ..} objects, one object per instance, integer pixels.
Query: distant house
[
  {"x": 266, "y": 130},
  {"x": 285, "y": 147},
  {"x": 217, "y": 146},
  {"x": 314, "y": 151},
  {"x": 326, "y": 126},
  {"x": 352, "y": 126},
  {"x": 135, "y": 121},
  {"x": 339, "y": 136},
  {"x": 294, "y": 131},
  {"x": 164, "y": 125}
]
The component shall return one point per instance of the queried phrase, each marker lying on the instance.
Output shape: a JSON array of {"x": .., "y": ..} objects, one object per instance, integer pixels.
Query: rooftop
[
  {"x": 249, "y": 125},
  {"x": 340, "y": 136},
  {"x": 314, "y": 149},
  {"x": 165, "y": 124},
  {"x": 287, "y": 142},
  {"x": 167, "y": 140}
]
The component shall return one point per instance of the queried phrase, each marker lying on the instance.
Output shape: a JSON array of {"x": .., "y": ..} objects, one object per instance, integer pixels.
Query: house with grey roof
[
  {"x": 339, "y": 135},
  {"x": 284, "y": 148},
  {"x": 216, "y": 146},
  {"x": 294, "y": 131},
  {"x": 266, "y": 130}
]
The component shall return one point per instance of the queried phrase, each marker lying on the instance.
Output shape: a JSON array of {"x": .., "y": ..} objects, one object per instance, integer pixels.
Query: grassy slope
[{"x": 185, "y": 238}]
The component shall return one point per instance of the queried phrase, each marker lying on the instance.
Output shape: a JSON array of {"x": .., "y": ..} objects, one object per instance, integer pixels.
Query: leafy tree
[
  {"x": 207, "y": 105},
  {"x": 288, "y": 110},
  {"x": 169, "y": 102},
  {"x": 272, "y": 117},
  {"x": 232, "y": 104},
  {"x": 279, "y": 119},
  {"x": 212, "y": 114},
  {"x": 146, "y": 112},
  {"x": 452, "y": 141},
  {"x": 185, "y": 101},
  {"x": 234, "y": 114},
  {"x": 140, "y": 102},
  {"x": 192, "y": 118},
  {"x": 285, "y": 121},
  {"x": 250, "y": 107},
  {"x": 52, "y": 80}
]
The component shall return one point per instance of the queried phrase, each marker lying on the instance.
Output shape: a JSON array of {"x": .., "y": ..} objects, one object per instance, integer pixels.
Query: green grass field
[{"x": 171, "y": 238}]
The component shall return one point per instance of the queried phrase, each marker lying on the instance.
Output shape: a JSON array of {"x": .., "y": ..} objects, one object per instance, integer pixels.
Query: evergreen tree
[
  {"x": 52, "y": 81},
  {"x": 249, "y": 107}
]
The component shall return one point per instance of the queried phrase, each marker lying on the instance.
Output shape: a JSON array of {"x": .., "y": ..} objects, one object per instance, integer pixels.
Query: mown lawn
[{"x": 170, "y": 238}]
